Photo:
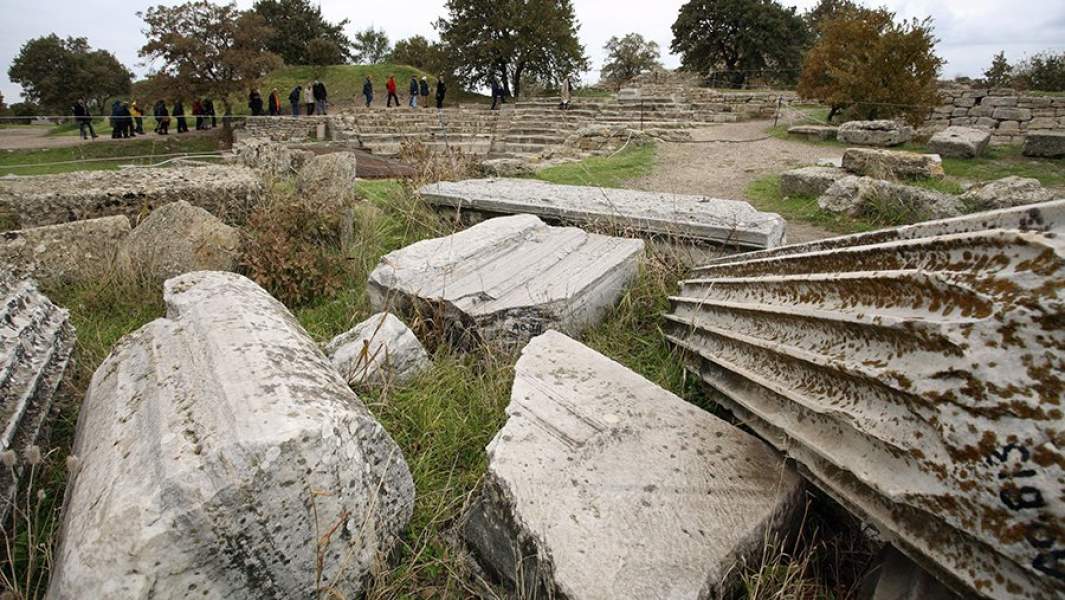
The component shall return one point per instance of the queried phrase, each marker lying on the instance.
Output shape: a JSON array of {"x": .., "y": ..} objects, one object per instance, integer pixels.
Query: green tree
[
  {"x": 54, "y": 73},
  {"x": 627, "y": 57},
  {"x": 1044, "y": 71},
  {"x": 372, "y": 46},
  {"x": 296, "y": 25},
  {"x": 206, "y": 50},
  {"x": 420, "y": 53},
  {"x": 873, "y": 67},
  {"x": 511, "y": 39},
  {"x": 825, "y": 11},
  {"x": 322, "y": 52},
  {"x": 1000, "y": 72},
  {"x": 739, "y": 39}
]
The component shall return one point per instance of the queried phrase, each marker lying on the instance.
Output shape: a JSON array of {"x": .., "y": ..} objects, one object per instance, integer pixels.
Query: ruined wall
[
  {"x": 1007, "y": 114},
  {"x": 281, "y": 129}
]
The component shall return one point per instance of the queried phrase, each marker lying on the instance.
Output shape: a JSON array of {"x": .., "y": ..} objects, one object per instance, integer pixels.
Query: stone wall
[
  {"x": 746, "y": 104},
  {"x": 281, "y": 129},
  {"x": 1007, "y": 114}
]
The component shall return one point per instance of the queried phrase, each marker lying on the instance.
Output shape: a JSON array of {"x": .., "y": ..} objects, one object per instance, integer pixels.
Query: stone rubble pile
[
  {"x": 273, "y": 158},
  {"x": 604, "y": 485},
  {"x": 1008, "y": 115},
  {"x": 916, "y": 375},
  {"x": 203, "y": 442},
  {"x": 506, "y": 280},
  {"x": 857, "y": 196},
  {"x": 378, "y": 351},
  {"x": 66, "y": 253}
]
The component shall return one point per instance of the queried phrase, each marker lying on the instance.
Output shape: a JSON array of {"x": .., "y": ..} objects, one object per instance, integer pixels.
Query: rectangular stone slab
[
  {"x": 604, "y": 485},
  {"x": 916, "y": 374},
  {"x": 699, "y": 218},
  {"x": 507, "y": 280}
]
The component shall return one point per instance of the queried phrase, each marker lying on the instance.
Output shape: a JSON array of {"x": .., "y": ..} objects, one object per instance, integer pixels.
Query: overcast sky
[{"x": 971, "y": 31}]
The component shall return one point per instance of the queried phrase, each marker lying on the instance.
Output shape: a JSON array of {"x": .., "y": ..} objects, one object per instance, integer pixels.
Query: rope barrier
[{"x": 113, "y": 159}]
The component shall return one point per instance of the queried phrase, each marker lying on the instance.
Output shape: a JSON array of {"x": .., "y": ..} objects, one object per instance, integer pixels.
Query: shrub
[
  {"x": 1044, "y": 72},
  {"x": 291, "y": 247}
]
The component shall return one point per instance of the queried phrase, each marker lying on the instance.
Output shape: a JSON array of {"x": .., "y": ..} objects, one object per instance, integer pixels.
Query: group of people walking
[
  {"x": 313, "y": 98},
  {"x": 202, "y": 110},
  {"x": 127, "y": 118},
  {"x": 418, "y": 92}
]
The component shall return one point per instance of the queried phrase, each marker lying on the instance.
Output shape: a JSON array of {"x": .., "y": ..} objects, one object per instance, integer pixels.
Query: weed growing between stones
[{"x": 32, "y": 520}]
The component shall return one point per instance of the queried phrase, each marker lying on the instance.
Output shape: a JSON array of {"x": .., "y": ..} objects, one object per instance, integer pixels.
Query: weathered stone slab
[
  {"x": 603, "y": 485},
  {"x": 1048, "y": 144},
  {"x": 916, "y": 374},
  {"x": 180, "y": 238},
  {"x": 330, "y": 179},
  {"x": 36, "y": 344},
  {"x": 221, "y": 456},
  {"x": 699, "y": 218},
  {"x": 273, "y": 158},
  {"x": 892, "y": 164},
  {"x": 507, "y": 280},
  {"x": 809, "y": 181},
  {"x": 960, "y": 142},
  {"x": 1006, "y": 193},
  {"x": 874, "y": 133},
  {"x": 378, "y": 351},
  {"x": 858, "y": 196},
  {"x": 227, "y": 192},
  {"x": 65, "y": 253},
  {"x": 506, "y": 167},
  {"x": 814, "y": 132}
]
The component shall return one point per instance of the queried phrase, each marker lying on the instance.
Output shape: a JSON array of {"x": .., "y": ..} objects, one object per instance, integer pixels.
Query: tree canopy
[
  {"x": 300, "y": 35},
  {"x": 207, "y": 49},
  {"x": 511, "y": 39},
  {"x": 372, "y": 46},
  {"x": 420, "y": 53},
  {"x": 1044, "y": 71},
  {"x": 55, "y": 72},
  {"x": 627, "y": 57},
  {"x": 739, "y": 39},
  {"x": 874, "y": 67},
  {"x": 1000, "y": 73},
  {"x": 824, "y": 11}
]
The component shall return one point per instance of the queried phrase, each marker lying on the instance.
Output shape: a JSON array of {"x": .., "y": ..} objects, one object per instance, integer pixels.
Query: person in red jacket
[{"x": 391, "y": 87}]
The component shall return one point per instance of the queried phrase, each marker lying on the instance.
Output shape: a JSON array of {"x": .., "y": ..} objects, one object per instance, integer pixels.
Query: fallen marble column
[
  {"x": 603, "y": 485},
  {"x": 506, "y": 280},
  {"x": 36, "y": 344},
  {"x": 221, "y": 456},
  {"x": 654, "y": 214},
  {"x": 66, "y": 253},
  {"x": 916, "y": 375}
]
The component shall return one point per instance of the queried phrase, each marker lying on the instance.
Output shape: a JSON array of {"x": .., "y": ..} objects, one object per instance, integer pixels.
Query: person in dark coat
[
  {"x": 497, "y": 93},
  {"x": 255, "y": 103},
  {"x": 273, "y": 103},
  {"x": 208, "y": 111},
  {"x": 179, "y": 114},
  {"x": 321, "y": 95},
  {"x": 367, "y": 91},
  {"x": 162, "y": 118},
  {"x": 413, "y": 91},
  {"x": 441, "y": 91},
  {"x": 197, "y": 111},
  {"x": 116, "y": 120},
  {"x": 84, "y": 119},
  {"x": 423, "y": 87},
  {"x": 294, "y": 100}
]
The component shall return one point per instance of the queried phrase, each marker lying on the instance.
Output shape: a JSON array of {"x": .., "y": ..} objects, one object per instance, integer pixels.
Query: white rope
[{"x": 109, "y": 159}]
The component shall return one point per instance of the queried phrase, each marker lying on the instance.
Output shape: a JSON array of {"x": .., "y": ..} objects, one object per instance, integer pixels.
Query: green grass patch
[
  {"x": 764, "y": 194},
  {"x": 103, "y": 154},
  {"x": 1004, "y": 161},
  {"x": 604, "y": 171}
]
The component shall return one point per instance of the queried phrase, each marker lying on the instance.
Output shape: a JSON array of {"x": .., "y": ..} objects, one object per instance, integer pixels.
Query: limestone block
[
  {"x": 816, "y": 132},
  {"x": 36, "y": 344},
  {"x": 1046, "y": 144},
  {"x": 960, "y": 142},
  {"x": 1009, "y": 125},
  {"x": 875, "y": 133},
  {"x": 506, "y": 167},
  {"x": 982, "y": 110},
  {"x": 179, "y": 238},
  {"x": 653, "y": 214},
  {"x": 67, "y": 253},
  {"x": 330, "y": 180},
  {"x": 892, "y": 164},
  {"x": 270, "y": 157},
  {"x": 602, "y": 485},
  {"x": 507, "y": 280},
  {"x": 858, "y": 196},
  {"x": 1006, "y": 193},
  {"x": 221, "y": 456},
  {"x": 1043, "y": 123},
  {"x": 809, "y": 181},
  {"x": 378, "y": 351},
  {"x": 916, "y": 375},
  {"x": 228, "y": 192},
  {"x": 1012, "y": 114},
  {"x": 965, "y": 102}
]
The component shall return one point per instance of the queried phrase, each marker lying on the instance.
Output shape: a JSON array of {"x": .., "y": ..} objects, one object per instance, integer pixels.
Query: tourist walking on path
[
  {"x": 497, "y": 93},
  {"x": 127, "y": 116},
  {"x": 424, "y": 89},
  {"x": 255, "y": 103},
  {"x": 117, "y": 126},
  {"x": 179, "y": 115},
  {"x": 274, "y": 103},
  {"x": 308, "y": 97},
  {"x": 413, "y": 91},
  {"x": 367, "y": 91},
  {"x": 138, "y": 117},
  {"x": 320, "y": 97},
  {"x": 441, "y": 91},
  {"x": 84, "y": 119},
  {"x": 198, "y": 112},
  {"x": 390, "y": 85},
  {"x": 208, "y": 111},
  {"x": 162, "y": 118},
  {"x": 566, "y": 93},
  {"x": 294, "y": 100}
]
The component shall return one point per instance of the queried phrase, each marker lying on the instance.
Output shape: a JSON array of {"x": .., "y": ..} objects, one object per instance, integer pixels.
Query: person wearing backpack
[{"x": 294, "y": 100}]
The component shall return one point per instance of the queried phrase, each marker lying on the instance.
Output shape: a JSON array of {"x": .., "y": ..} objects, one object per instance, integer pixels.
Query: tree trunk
[{"x": 518, "y": 71}]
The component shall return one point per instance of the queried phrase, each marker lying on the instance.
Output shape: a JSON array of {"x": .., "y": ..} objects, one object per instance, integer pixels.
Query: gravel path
[{"x": 724, "y": 170}]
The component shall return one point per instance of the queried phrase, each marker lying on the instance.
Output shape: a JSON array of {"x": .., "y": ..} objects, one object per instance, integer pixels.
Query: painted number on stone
[{"x": 1018, "y": 496}]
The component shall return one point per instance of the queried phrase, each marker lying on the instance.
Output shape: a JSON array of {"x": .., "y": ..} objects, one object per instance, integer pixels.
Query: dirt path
[
  {"x": 724, "y": 170},
  {"x": 36, "y": 137}
]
